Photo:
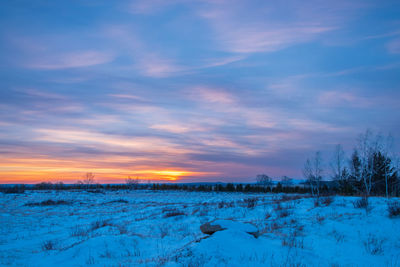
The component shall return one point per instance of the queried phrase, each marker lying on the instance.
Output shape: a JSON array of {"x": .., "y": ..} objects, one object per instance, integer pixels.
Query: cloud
[
  {"x": 245, "y": 28},
  {"x": 147, "y": 60},
  {"x": 88, "y": 138},
  {"x": 212, "y": 95},
  {"x": 149, "y": 6},
  {"x": 152, "y": 62},
  {"x": 342, "y": 99},
  {"x": 126, "y": 96},
  {"x": 255, "y": 39},
  {"x": 216, "y": 62},
  {"x": 393, "y": 46},
  {"x": 68, "y": 60},
  {"x": 172, "y": 128},
  {"x": 153, "y": 65},
  {"x": 383, "y": 35}
]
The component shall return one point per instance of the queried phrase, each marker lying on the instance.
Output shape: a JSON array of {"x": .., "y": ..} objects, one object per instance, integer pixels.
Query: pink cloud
[
  {"x": 250, "y": 40},
  {"x": 147, "y": 60},
  {"x": 126, "y": 96},
  {"x": 213, "y": 95},
  {"x": 153, "y": 65},
  {"x": 216, "y": 62},
  {"x": 243, "y": 28}
]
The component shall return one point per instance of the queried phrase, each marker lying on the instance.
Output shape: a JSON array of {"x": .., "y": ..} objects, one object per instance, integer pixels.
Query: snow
[{"x": 163, "y": 228}]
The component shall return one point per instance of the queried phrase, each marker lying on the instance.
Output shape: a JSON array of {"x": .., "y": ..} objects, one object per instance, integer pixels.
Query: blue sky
[{"x": 191, "y": 90}]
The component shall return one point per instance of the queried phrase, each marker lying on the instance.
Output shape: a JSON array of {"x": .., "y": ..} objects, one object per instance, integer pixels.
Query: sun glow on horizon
[{"x": 24, "y": 170}]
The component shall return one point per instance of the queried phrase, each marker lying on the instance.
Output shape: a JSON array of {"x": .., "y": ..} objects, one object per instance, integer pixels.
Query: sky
[{"x": 191, "y": 91}]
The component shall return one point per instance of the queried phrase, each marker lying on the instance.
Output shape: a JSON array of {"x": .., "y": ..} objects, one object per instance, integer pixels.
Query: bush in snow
[
  {"x": 320, "y": 219},
  {"x": 16, "y": 189},
  {"x": 164, "y": 230},
  {"x": 338, "y": 236},
  {"x": 292, "y": 241},
  {"x": 122, "y": 228},
  {"x": 224, "y": 204},
  {"x": 79, "y": 232},
  {"x": 48, "y": 245},
  {"x": 284, "y": 213},
  {"x": 99, "y": 224},
  {"x": 48, "y": 203},
  {"x": 118, "y": 201},
  {"x": 173, "y": 213},
  {"x": 327, "y": 200},
  {"x": 250, "y": 202},
  {"x": 393, "y": 209},
  {"x": 373, "y": 245},
  {"x": 362, "y": 203}
]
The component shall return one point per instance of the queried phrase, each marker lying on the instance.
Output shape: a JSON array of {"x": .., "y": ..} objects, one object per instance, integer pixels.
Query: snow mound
[{"x": 234, "y": 226}]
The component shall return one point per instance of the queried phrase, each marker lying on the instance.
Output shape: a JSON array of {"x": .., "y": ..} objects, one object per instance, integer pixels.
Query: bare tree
[
  {"x": 264, "y": 180},
  {"x": 395, "y": 187},
  {"x": 312, "y": 171},
  {"x": 308, "y": 174},
  {"x": 387, "y": 151},
  {"x": 88, "y": 179},
  {"x": 368, "y": 145},
  {"x": 338, "y": 163},
  {"x": 132, "y": 183}
]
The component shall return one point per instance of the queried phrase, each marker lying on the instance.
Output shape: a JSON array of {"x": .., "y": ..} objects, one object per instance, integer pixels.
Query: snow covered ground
[{"x": 145, "y": 228}]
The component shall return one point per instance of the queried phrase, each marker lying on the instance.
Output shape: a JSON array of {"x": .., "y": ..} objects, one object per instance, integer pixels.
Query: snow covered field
[{"x": 145, "y": 228}]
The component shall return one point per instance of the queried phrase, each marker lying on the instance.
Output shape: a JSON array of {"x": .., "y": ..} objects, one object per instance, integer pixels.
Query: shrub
[
  {"x": 278, "y": 207},
  {"x": 204, "y": 211},
  {"x": 173, "y": 213},
  {"x": 327, "y": 201},
  {"x": 284, "y": 213},
  {"x": 118, "y": 201},
  {"x": 393, "y": 209},
  {"x": 223, "y": 204},
  {"x": 95, "y": 191},
  {"x": 122, "y": 229},
  {"x": 48, "y": 245},
  {"x": 285, "y": 198},
  {"x": 17, "y": 189},
  {"x": 48, "y": 203},
  {"x": 250, "y": 202},
  {"x": 273, "y": 227},
  {"x": 293, "y": 242},
  {"x": 338, "y": 236},
  {"x": 361, "y": 203},
  {"x": 319, "y": 218},
  {"x": 300, "y": 228},
  {"x": 164, "y": 230},
  {"x": 78, "y": 231},
  {"x": 373, "y": 245},
  {"x": 99, "y": 224}
]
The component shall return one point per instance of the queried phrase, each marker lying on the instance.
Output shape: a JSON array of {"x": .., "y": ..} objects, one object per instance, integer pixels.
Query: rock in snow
[{"x": 218, "y": 225}]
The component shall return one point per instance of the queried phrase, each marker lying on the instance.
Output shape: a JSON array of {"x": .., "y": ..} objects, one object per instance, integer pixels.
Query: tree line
[{"x": 372, "y": 169}]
